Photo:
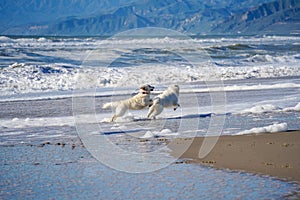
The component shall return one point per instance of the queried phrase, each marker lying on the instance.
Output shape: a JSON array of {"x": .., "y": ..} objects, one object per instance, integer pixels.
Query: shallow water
[
  {"x": 22, "y": 120},
  {"x": 56, "y": 171}
]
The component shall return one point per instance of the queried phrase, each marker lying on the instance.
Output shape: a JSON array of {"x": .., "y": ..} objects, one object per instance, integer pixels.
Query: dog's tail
[{"x": 107, "y": 105}]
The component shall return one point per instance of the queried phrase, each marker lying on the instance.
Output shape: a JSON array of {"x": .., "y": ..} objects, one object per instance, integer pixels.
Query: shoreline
[{"x": 274, "y": 154}]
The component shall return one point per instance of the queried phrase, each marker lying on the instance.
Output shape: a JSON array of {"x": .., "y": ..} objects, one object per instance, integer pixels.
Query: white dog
[
  {"x": 137, "y": 102},
  {"x": 169, "y": 98}
]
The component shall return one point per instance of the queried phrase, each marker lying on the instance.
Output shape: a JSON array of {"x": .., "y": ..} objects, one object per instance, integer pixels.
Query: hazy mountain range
[{"x": 105, "y": 17}]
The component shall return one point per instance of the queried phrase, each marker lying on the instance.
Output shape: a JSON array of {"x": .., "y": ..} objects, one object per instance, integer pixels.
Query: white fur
[
  {"x": 137, "y": 102},
  {"x": 169, "y": 98}
]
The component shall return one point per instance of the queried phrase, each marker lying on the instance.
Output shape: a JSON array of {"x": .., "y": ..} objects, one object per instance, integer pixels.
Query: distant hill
[
  {"x": 17, "y": 15},
  {"x": 281, "y": 17},
  {"x": 90, "y": 17}
]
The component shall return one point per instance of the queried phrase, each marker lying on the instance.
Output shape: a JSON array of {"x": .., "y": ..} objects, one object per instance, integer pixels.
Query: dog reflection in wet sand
[
  {"x": 137, "y": 102},
  {"x": 169, "y": 98}
]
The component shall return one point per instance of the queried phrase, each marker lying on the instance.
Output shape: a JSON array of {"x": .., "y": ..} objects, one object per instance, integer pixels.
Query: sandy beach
[{"x": 274, "y": 154}]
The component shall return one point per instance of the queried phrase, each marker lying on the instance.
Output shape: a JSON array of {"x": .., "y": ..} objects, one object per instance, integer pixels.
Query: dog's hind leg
[
  {"x": 114, "y": 117},
  {"x": 120, "y": 111}
]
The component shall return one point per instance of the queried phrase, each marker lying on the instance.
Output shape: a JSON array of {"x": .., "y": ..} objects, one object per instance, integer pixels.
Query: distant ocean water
[{"x": 39, "y": 64}]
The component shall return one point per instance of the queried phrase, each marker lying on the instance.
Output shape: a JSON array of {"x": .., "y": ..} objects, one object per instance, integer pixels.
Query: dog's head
[
  {"x": 146, "y": 89},
  {"x": 174, "y": 88}
]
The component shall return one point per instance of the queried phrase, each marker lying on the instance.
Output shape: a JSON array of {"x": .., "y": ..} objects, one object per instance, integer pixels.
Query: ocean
[{"x": 52, "y": 90}]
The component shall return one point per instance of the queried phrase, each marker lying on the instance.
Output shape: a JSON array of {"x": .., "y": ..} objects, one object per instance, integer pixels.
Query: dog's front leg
[
  {"x": 175, "y": 108},
  {"x": 150, "y": 103}
]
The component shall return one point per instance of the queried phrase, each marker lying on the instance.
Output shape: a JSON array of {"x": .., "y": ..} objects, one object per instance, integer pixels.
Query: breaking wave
[{"x": 45, "y": 64}]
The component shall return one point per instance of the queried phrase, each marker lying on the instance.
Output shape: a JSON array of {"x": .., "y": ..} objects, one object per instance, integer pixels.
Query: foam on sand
[
  {"x": 266, "y": 129},
  {"x": 259, "y": 109},
  {"x": 21, "y": 123},
  {"x": 162, "y": 133},
  {"x": 269, "y": 108}
]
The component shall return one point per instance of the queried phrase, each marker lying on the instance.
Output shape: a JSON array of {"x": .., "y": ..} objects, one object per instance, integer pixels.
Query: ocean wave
[
  {"x": 273, "y": 59},
  {"x": 234, "y": 43},
  {"x": 231, "y": 47},
  {"x": 21, "y": 78},
  {"x": 4, "y": 39},
  {"x": 265, "y": 71},
  {"x": 44, "y": 64}
]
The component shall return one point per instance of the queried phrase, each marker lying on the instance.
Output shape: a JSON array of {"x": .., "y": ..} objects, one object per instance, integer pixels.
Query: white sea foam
[
  {"x": 264, "y": 71},
  {"x": 235, "y": 40},
  {"x": 14, "y": 93},
  {"x": 47, "y": 66},
  {"x": 296, "y": 108},
  {"x": 4, "y": 39},
  {"x": 20, "y": 78},
  {"x": 259, "y": 109},
  {"x": 269, "y": 108},
  {"x": 162, "y": 133},
  {"x": 266, "y": 129},
  {"x": 129, "y": 117},
  {"x": 37, "y": 122},
  {"x": 273, "y": 59},
  {"x": 243, "y": 87}
]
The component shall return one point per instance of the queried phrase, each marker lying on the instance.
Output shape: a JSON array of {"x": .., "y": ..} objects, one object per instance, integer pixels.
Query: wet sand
[{"x": 274, "y": 154}]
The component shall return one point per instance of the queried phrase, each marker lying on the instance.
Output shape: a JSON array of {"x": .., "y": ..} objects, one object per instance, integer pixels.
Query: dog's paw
[{"x": 175, "y": 108}]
